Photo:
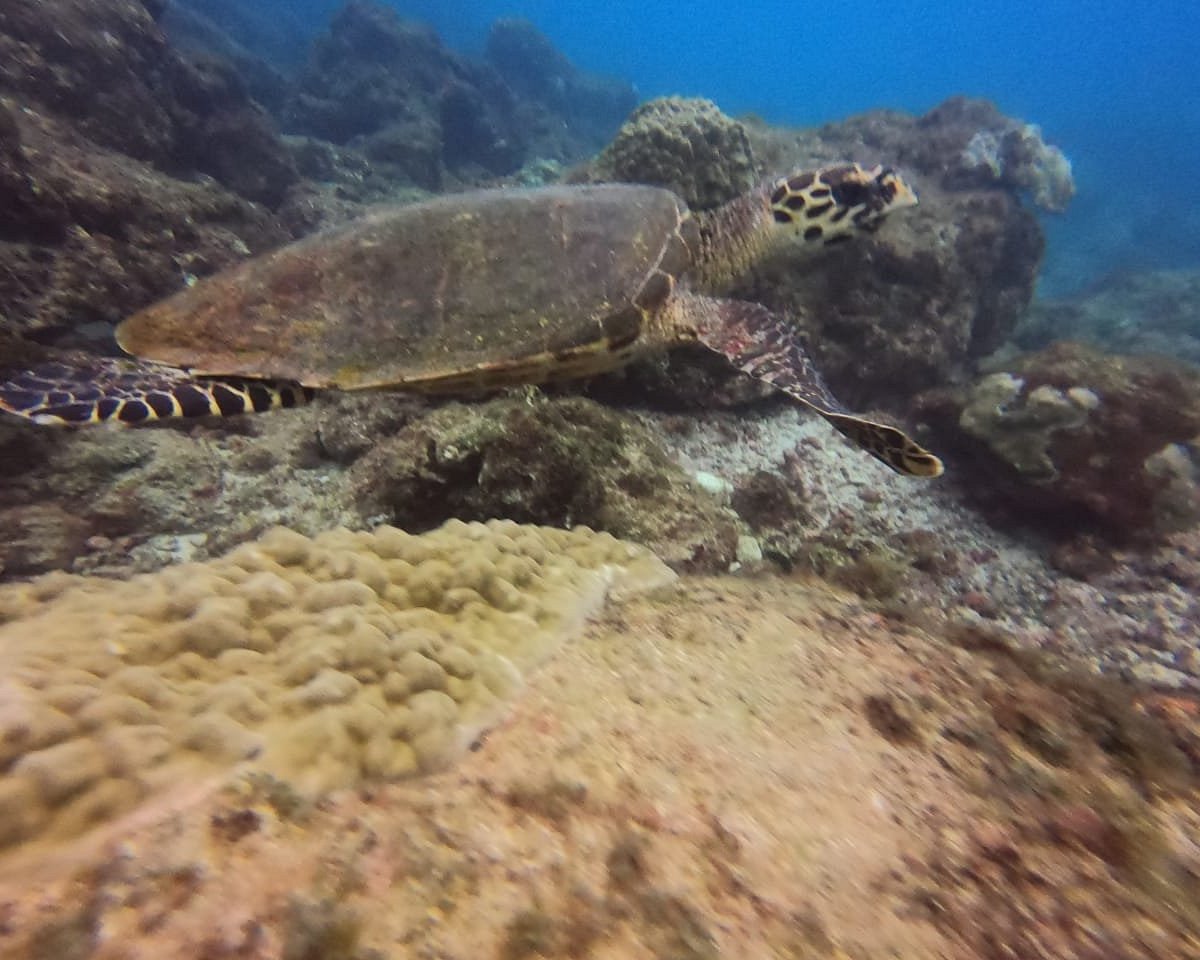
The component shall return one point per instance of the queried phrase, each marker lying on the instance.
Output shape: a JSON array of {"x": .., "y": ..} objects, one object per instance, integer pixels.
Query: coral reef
[
  {"x": 107, "y": 67},
  {"x": 1019, "y": 425},
  {"x": 136, "y": 499},
  {"x": 1018, "y": 157},
  {"x": 130, "y": 165},
  {"x": 106, "y": 234},
  {"x": 139, "y": 499},
  {"x": 684, "y": 144},
  {"x": 940, "y": 287},
  {"x": 972, "y": 145},
  {"x": 1092, "y": 439},
  {"x": 655, "y": 790},
  {"x": 320, "y": 662},
  {"x": 377, "y": 78},
  {"x": 1009, "y": 154}
]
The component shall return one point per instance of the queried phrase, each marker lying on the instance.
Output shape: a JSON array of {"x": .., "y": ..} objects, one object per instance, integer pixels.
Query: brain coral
[
  {"x": 685, "y": 145},
  {"x": 322, "y": 662}
]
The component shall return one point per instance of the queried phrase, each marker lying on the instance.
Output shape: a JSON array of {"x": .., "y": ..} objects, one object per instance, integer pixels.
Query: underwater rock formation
[
  {"x": 189, "y": 28},
  {"x": 683, "y": 144},
  {"x": 374, "y": 79},
  {"x": 1084, "y": 439},
  {"x": 567, "y": 112},
  {"x": 92, "y": 234},
  {"x": 101, "y": 234},
  {"x": 975, "y": 145},
  {"x": 391, "y": 88},
  {"x": 1150, "y": 312},
  {"x": 107, "y": 68},
  {"x": 98, "y": 119},
  {"x": 277, "y": 42},
  {"x": 131, "y": 500},
  {"x": 322, "y": 662}
]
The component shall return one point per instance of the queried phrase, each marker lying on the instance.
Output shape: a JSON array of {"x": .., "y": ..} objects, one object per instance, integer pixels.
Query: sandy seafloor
[{"x": 684, "y": 780}]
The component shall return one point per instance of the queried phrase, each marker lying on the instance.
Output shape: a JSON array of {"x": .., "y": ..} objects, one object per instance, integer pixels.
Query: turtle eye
[{"x": 852, "y": 193}]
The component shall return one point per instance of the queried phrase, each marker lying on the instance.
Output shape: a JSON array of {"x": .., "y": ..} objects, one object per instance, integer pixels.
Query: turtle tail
[
  {"x": 112, "y": 390},
  {"x": 766, "y": 347}
]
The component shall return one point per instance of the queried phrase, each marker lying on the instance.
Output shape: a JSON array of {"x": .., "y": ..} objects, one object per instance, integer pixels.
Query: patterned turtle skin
[{"x": 481, "y": 290}]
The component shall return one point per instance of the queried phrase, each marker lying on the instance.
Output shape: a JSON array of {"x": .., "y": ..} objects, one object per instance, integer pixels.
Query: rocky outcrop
[
  {"x": 125, "y": 168},
  {"x": 106, "y": 67},
  {"x": 567, "y": 112},
  {"x": 885, "y": 317},
  {"x": 391, "y": 88},
  {"x": 191, "y": 27}
]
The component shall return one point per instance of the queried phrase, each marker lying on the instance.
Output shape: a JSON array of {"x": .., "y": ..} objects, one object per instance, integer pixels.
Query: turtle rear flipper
[
  {"x": 765, "y": 346},
  {"x": 112, "y": 390}
]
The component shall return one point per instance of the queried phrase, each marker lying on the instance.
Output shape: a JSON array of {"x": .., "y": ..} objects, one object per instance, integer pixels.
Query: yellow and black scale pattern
[{"x": 111, "y": 390}]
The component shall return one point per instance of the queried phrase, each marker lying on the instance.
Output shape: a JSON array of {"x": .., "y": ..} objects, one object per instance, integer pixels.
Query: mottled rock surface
[
  {"x": 566, "y": 461},
  {"x": 107, "y": 66}
]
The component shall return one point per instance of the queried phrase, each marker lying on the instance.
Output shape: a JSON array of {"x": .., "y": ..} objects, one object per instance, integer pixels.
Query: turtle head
[{"x": 832, "y": 204}]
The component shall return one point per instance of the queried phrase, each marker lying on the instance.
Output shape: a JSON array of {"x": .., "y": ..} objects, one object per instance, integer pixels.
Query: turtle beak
[{"x": 896, "y": 192}]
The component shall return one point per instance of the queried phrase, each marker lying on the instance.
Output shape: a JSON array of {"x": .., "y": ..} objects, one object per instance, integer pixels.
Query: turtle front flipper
[
  {"x": 112, "y": 390},
  {"x": 763, "y": 345}
]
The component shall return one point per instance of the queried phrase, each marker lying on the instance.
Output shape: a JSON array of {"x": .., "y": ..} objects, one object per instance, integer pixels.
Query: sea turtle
[{"x": 477, "y": 290}]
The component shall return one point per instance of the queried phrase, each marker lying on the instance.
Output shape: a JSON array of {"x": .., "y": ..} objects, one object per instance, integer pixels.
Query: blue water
[{"x": 1113, "y": 84}]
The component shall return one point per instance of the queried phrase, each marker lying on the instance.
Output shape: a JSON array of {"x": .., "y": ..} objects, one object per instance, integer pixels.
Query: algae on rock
[{"x": 560, "y": 461}]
